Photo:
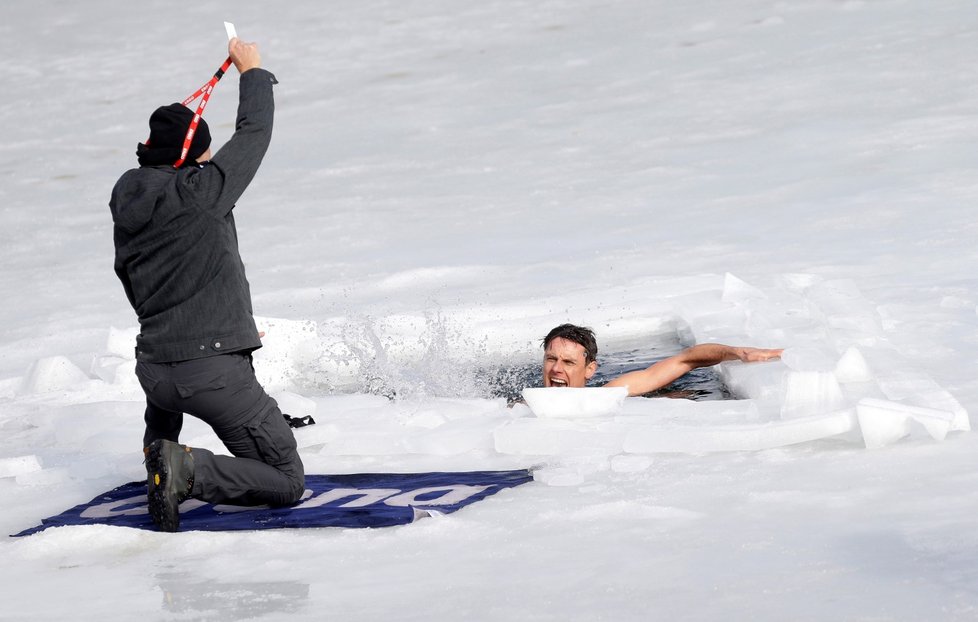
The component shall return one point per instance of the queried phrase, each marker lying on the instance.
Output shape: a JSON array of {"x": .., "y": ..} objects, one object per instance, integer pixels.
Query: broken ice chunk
[
  {"x": 19, "y": 465},
  {"x": 737, "y": 290},
  {"x": 573, "y": 402},
  {"x": 810, "y": 393},
  {"x": 53, "y": 373},
  {"x": 883, "y": 422},
  {"x": 852, "y": 367}
]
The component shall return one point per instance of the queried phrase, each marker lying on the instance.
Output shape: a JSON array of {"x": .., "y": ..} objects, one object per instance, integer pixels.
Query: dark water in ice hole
[{"x": 699, "y": 384}]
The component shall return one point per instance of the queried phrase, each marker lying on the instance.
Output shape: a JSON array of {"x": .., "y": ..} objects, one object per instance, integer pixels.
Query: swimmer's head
[{"x": 569, "y": 356}]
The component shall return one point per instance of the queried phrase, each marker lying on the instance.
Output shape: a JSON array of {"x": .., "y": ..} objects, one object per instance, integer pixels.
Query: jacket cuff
[{"x": 259, "y": 74}]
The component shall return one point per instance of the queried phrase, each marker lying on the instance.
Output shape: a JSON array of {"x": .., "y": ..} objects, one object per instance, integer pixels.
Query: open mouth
[{"x": 558, "y": 382}]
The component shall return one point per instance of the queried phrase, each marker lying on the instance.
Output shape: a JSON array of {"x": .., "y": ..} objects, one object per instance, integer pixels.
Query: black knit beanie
[{"x": 167, "y": 129}]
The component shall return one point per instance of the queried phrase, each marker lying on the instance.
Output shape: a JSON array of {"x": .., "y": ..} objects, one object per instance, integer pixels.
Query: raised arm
[
  {"x": 701, "y": 355},
  {"x": 220, "y": 184}
]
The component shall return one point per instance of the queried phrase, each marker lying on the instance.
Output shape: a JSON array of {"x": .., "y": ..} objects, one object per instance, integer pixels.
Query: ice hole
[
  {"x": 401, "y": 357},
  {"x": 508, "y": 380}
]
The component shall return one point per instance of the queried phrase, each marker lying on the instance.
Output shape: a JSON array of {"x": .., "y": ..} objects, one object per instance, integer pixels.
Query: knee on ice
[{"x": 297, "y": 484}]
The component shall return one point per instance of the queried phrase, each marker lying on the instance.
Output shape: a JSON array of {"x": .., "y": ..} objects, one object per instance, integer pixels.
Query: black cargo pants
[{"x": 223, "y": 392}]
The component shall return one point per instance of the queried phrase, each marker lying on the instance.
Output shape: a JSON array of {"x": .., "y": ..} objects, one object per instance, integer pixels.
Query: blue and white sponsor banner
[{"x": 363, "y": 500}]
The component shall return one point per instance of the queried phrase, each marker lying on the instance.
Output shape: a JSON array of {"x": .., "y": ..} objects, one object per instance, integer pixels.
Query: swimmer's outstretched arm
[{"x": 701, "y": 355}]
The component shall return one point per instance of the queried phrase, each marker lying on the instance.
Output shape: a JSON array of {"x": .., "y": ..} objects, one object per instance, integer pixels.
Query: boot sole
[{"x": 163, "y": 507}]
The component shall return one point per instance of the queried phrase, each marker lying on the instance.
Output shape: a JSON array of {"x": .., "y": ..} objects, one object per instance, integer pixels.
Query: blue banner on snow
[{"x": 363, "y": 500}]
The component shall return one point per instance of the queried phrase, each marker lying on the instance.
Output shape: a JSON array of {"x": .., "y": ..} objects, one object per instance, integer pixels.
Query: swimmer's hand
[{"x": 757, "y": 355}]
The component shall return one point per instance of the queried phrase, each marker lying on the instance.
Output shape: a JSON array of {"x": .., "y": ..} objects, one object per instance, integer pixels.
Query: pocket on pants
[
  {"x": 204, "y": 382},
  {"x": 273, "y": 437},
  {"x": 146, "y": 376}
]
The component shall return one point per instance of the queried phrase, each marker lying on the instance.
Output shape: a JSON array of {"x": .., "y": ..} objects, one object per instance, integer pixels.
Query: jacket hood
[{"x": 136, "y": 195}]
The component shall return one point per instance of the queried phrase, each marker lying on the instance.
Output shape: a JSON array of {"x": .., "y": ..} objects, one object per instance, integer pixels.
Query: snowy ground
[{"x": 449, "y": 180}]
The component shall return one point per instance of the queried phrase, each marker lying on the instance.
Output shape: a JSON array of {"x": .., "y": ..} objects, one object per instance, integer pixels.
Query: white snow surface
[{"x": 446, "y": 182}]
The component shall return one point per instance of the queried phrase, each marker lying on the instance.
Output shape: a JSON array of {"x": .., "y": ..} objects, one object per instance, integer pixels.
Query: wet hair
[{"x": 580, "y": 335}]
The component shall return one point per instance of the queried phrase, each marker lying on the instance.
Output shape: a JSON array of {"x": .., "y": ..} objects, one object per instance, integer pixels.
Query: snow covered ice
[
  {"x": 575, "y": 402},
  {"x": 446, "y": 183}
]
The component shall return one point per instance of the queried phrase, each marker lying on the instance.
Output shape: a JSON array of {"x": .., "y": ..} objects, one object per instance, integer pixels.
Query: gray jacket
[{"x": 176, "y": 247}]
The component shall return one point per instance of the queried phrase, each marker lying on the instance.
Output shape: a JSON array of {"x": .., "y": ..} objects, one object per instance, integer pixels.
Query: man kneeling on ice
[
  {"x": 176, "y": 253},
  {"x": 570, "y": 359}
]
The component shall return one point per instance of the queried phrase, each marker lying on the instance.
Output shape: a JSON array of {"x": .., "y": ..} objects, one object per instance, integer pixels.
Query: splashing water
[{"x": 436, "y": 360}]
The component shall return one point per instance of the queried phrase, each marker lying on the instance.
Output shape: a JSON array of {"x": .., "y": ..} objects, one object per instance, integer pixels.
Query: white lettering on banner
[
  {"x": 451, "y": 496},
  {"x": 191, "y": 504},
  {"x": 394, "y": 497},
  {"x": 359, "y": 497},
  {"x": 225, "y": 508},
  {"x": 106, "y": 510},
  {"x": 110, "y": 509},
  {"x": 367, "y": 496}
]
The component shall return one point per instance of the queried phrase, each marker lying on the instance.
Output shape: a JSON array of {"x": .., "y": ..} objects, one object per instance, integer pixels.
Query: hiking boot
[{"x": 169, "y": 480}]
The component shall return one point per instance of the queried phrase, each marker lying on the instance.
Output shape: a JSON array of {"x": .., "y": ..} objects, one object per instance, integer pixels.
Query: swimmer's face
[{"x": 565, "y": 364}]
